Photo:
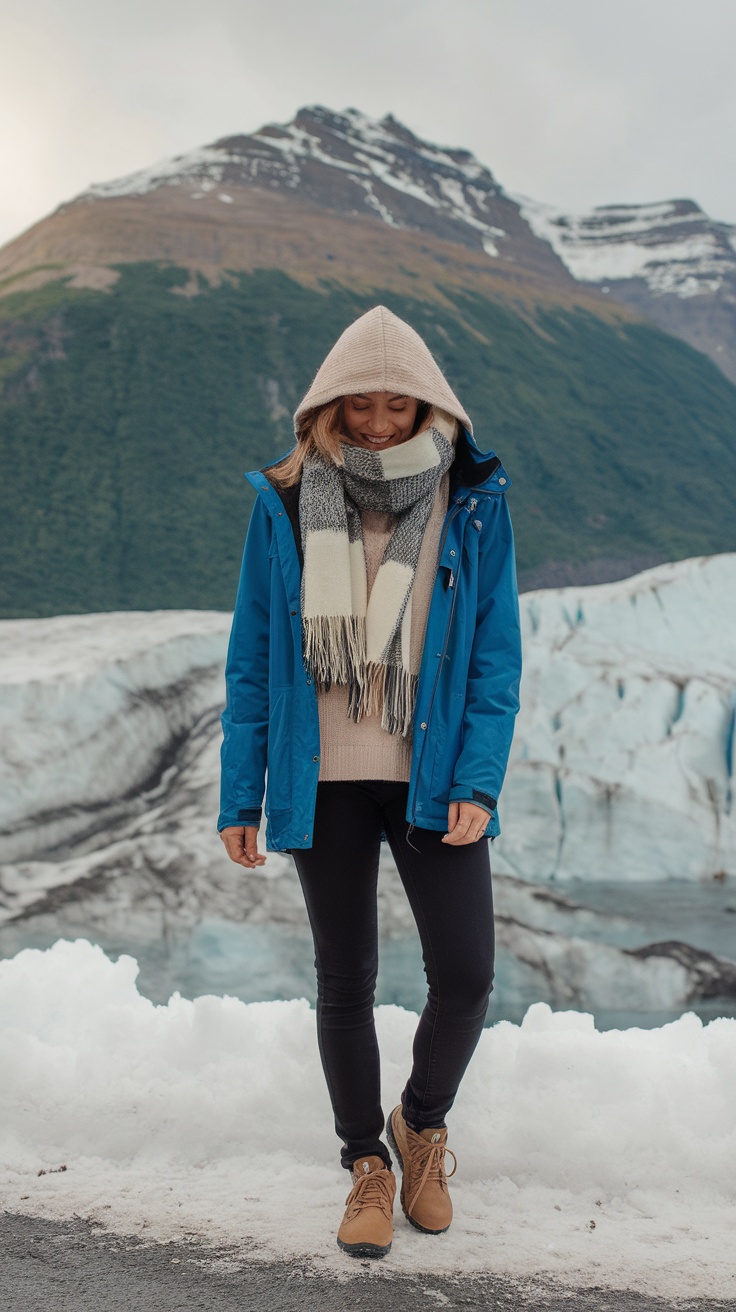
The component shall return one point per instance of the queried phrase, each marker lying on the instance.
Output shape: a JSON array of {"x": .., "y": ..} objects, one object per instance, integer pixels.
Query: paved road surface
[{"x": 47, "y": 1266}]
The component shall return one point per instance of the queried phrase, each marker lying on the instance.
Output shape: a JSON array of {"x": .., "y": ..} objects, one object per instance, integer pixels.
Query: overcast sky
[{"x": 578, "y": 102}]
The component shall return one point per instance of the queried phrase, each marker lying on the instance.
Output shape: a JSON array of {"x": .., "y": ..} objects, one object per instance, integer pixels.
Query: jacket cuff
[
  {"x": 464, "y": 793},
  {"x": 246, "y": 816}
]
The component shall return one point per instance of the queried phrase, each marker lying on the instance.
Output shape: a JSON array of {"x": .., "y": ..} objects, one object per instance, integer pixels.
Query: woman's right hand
[{"x": 241, "y": 845}]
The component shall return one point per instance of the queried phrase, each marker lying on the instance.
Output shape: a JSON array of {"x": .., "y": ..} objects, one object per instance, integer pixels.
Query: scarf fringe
[
  {"x": 334, "y": 648},
  {"x": 334, "y": 652},
  {"x": 385, "y": 690}
]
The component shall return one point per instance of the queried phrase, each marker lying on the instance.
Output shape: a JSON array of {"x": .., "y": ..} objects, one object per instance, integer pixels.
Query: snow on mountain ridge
[
  {"x": 649, "y": 241},
  {"x": 369, "y": 153},
  {"x": 206, "y": 163}
]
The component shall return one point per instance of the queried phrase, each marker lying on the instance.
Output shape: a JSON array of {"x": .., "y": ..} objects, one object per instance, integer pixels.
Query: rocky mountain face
[{"x": 355, "y": 166}]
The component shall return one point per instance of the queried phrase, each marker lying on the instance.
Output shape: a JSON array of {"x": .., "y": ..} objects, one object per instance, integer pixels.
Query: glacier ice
[
  {"x": 622, "y": 762},
  {"x": 620, "y": 770}
]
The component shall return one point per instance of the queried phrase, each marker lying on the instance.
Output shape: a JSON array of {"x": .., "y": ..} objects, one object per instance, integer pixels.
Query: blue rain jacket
[{"x": 468, "y": 689}]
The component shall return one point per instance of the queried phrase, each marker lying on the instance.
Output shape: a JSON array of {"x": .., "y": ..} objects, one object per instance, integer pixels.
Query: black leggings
[{"x": 449, "y": 890}]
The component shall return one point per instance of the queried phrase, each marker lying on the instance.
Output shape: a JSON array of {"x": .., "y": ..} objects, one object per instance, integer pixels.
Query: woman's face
[{"x": 377, "y": 420}]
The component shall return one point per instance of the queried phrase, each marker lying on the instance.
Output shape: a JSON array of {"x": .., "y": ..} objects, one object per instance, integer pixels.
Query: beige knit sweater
[{"x": 365, "y": 750}]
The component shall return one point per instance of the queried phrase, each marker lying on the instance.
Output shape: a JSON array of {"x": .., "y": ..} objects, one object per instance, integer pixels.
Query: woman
[{"x": 373, "y": 675}]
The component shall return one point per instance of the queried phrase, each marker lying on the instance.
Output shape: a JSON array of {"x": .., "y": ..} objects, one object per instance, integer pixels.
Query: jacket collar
[{"x": 475, "y": 469}]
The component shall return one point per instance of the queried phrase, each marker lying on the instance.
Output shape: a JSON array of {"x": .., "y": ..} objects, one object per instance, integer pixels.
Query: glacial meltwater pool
[{"x": 560, "y": 965}]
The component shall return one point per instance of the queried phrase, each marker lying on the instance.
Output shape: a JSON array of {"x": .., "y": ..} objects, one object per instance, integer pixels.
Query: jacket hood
[{"x": 381, "y": 353}]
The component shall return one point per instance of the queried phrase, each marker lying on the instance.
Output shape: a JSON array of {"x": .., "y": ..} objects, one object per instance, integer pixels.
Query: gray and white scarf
[{"x": 348, "y": 639}]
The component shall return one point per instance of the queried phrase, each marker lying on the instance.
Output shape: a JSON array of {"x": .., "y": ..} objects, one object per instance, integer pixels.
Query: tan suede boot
[
  {"x": 425, "y": 1196},
  {"x": 368, "y": 1224}
]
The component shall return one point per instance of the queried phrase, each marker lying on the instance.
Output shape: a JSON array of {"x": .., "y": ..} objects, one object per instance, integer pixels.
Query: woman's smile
[
  {"x": 377, "y": 420},
  {"x": 374, "y": 440}
]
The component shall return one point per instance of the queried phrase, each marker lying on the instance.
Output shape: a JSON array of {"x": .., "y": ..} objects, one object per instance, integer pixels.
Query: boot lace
[
  {"x": 429, "y": 1158},
  {"x": 371, "y": 1190}
]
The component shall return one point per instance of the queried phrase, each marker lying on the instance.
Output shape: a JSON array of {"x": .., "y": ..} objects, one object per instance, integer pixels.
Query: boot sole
[
  {"x": 364, "y": 1250},
  {"x": 392, "y": 1142}
]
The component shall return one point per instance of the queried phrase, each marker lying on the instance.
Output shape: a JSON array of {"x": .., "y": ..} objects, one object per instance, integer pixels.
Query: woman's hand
[
  {"x": 242, "y": 846},
  {"x": 466, "y": 823}
]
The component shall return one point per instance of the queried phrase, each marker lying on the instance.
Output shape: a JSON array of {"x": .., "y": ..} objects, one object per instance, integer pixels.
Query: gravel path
[{"x": 49, "y": 1266}]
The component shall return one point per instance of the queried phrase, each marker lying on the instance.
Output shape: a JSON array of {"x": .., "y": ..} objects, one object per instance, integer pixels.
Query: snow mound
[{"x": 599, "y": 1158}]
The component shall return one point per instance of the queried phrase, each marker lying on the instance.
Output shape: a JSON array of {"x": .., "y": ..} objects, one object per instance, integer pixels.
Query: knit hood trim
[{"x": 381, "y": 353}]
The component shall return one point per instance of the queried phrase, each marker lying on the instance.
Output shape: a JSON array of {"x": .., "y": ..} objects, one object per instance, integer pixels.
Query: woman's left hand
[{"x": 466, "y": 823}]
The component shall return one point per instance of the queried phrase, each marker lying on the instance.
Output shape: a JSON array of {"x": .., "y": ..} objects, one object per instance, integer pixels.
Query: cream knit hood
[{"x": 381, "y": 353}]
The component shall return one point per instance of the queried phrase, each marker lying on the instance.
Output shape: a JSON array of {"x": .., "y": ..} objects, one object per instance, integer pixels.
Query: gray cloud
[{"x": 579, "y": 102}]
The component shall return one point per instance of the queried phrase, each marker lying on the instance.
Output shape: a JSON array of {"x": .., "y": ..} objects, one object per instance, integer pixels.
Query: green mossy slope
[{"x": 127, "y": 419}]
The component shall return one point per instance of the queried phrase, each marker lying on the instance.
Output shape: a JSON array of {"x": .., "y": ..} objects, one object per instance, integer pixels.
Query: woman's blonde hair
[{"x": 321, "y": 430}]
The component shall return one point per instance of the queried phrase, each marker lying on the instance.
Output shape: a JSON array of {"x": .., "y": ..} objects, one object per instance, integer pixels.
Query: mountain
[
  {"x": 313, "y": 198},
  {"x": 667, "y": 261},
  {"x": 157, "y": 332}
]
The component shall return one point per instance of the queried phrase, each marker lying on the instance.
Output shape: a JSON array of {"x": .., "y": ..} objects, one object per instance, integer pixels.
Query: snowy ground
[{"x": 602, "y": 1159}]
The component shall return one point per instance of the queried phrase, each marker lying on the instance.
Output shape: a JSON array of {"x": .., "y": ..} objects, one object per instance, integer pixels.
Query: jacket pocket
[
  {"x": 279, "y": 778},
  {"x": 439, "y": 784},
  {"x": 447, "y": 750}
]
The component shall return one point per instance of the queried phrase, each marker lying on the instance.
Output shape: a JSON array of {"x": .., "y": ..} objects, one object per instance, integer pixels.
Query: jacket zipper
[{"x": 446, "y": 529}]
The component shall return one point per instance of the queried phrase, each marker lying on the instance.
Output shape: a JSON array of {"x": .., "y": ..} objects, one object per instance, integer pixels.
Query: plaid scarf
[{"x": 347, "y": 638}]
